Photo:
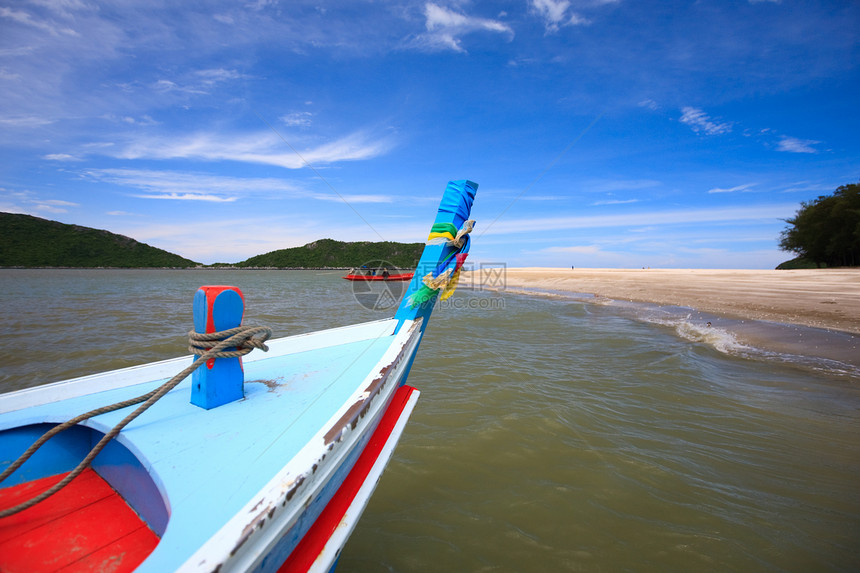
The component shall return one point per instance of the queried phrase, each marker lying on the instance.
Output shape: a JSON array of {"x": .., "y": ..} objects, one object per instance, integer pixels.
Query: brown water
[{"x": 551, "y": 434}]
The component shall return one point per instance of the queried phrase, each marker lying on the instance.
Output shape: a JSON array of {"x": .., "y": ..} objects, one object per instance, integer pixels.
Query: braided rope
[{"x": 240, "y": 338}]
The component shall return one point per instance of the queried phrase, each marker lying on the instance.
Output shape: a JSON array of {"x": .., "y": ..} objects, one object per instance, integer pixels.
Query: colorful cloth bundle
[{"x": 444, "y": 277}]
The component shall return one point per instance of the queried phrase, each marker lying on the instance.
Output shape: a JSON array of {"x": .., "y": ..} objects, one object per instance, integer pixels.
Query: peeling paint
[
  {"x": 295, "y": 488},
  {"x": 360, "y": 408},
  {"x": 256, "y": 523}
]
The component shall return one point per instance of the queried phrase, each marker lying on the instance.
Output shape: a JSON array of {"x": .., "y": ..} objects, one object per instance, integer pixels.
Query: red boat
[{"x": 376, "y": 275}]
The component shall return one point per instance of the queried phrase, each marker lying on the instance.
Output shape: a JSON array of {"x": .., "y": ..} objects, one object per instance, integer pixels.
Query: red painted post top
[{"x": 220, "y": 380}]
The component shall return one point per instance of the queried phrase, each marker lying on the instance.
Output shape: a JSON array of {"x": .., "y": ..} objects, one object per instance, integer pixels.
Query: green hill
[
  {"x": 27, "y": 241},
  {"x": 331, "y": 253}
]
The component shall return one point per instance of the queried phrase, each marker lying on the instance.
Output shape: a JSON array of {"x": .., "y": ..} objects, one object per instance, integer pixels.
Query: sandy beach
[{"x": 821, "y": 298}]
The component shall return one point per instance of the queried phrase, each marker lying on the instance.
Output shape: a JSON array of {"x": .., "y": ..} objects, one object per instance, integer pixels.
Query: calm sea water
[{"x": 552, "y": 434}]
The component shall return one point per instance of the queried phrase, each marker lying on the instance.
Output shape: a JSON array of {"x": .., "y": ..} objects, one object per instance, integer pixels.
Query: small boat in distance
[
  {"x": 257, "y": 456},
  {"x": 377, "y": 274}
]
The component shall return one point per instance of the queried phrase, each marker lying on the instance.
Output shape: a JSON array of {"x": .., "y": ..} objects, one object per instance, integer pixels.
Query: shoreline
[{"x": 818, "y": 298}]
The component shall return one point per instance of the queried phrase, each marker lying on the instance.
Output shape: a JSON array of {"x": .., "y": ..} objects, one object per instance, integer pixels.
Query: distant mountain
[
  {"x": 27, "y": 241},
  {"x": 331, "y": 253}
]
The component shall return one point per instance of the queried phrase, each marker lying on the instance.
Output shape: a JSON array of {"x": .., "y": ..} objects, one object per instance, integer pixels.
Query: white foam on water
[
  {"x": 717, "y": 338},
  {"x": 820, "y": 350}
]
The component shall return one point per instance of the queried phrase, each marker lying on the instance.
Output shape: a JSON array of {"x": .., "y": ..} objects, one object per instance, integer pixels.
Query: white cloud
[
  {"x": 699, "y": 121},
  {"x": 615, "y": 202},
  {"x": 445, "y": 28},
  {"x": 27, "y": 19},
  {"x": 353, "y": 198},
  {"x": 187, "y": 197},
  {"x": 581, "y": 249},
  {"x": 9, "y": 76},
  {"x": 60, "y": 157},
  {"x": 54, "y": 205},
  {"x": 195, "y": 186},
  {"x": 610, "y": 185},
  {"x": 794, "y": 145},
  {"x": 144, "y": 120},
  {"x": 297, "y": 119},
  {"x": 216, "y": 75},
  {"x": 25, "y": 121},
  {"x": 193, "y": 239},
  {"x": 771, "y": 212},
  {"x": 224, "y": 19},
  {"x": 190, "y": 186},
  {"x": 544, "y": 198},
  {"x": 260, "y": 147},
  {"x": 743, "y": 187},
  {"x": 555, "y": 14},
  {"x": 27, "y": 202}
]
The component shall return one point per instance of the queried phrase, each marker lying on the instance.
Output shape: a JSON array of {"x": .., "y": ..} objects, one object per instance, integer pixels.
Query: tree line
[{"x": 826, "y": 230}]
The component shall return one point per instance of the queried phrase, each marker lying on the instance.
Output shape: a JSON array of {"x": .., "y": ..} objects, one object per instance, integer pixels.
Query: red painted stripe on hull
[
  {"x": 86, "y": 526},
  {"x": 306, "y": 552}
]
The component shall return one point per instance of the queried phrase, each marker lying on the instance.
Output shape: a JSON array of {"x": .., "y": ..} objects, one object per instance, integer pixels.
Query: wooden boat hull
[
  {"x": 261, "y": 532},
  {"x": 270, "y": 478}
]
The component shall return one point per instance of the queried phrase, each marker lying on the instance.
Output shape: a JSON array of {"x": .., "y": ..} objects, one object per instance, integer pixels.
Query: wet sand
[{"x": 820, "y": 298}]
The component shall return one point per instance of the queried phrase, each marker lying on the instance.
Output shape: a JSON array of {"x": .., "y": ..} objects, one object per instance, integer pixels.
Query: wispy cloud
[
  {"x": 28, "y": 202},
  {"x": 54, "y": 205},
  {"x": 743, "y": 187},
  {"x": 445, "y": 29},
  {"x": 21, "y": 17},
  {"x": 297, "y": 119},
  {"x": 353, "y": 198},
  {"x": 260, "y": 147},
  {"x": 196, "y": 82},
  {"x": 611, "y": 185},
  {"x": 679, "y": 217},
  {"x": 579, "y": 249},
  {"x": 185, "y": 186},
  {"x": 795, "y": 145},
  {"x": 544, "y": 198},
  {"x": 810, "y": 187},
  {"x": 556, "y": 13},
  {"x": 187, "y": 197},
  {"x": 144, "y": 120},
  {"x": 25, "y": 121},
  {"x": 700, "y": 122},
  {"x": 217, "y": 75},
  {"x": 61, "y": 157},
  {"x": 193, "y": 239},
  {"x": 196, "y": 186},
  {"x": 615, "y": 202}
]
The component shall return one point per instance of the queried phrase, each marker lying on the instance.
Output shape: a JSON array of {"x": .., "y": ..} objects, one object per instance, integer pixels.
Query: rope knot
[{"x": 230, "y": 343}]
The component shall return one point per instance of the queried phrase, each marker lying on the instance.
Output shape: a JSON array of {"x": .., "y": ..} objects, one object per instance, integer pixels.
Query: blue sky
[{"x": 603, "y": 133}]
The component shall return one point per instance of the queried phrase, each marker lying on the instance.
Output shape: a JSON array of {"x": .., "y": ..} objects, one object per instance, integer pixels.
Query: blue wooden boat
[{"x": 244, "y": 461}]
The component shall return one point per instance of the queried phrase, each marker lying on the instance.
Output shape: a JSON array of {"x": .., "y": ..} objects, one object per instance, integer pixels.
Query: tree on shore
[{"x": 826, "y": 231}]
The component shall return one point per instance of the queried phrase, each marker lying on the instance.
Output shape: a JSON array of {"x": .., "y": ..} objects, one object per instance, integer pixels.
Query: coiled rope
[{"x": 241, "y": 338}]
